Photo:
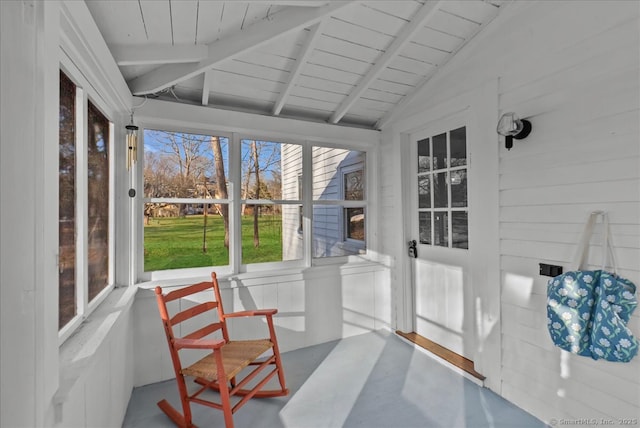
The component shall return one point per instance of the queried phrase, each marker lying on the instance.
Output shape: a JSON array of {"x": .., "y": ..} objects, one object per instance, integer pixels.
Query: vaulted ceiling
[{"x": 346, "y": 62}]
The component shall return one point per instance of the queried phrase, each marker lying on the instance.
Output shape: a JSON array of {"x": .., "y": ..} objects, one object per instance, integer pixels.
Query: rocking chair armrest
[
  {"x": 252, "y": 313},
  {"x": 198, "y": 343}
]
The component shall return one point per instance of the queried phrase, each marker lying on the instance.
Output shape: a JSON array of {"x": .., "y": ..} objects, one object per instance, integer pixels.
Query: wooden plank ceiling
[{"x": 343, "y": 62}]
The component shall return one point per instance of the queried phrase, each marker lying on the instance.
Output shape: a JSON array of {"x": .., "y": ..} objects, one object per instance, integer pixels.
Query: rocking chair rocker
[{"x": 221, "y": 368}]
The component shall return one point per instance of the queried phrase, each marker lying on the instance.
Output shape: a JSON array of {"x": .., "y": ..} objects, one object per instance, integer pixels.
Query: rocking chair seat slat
[{"x": 236, "y": 355}]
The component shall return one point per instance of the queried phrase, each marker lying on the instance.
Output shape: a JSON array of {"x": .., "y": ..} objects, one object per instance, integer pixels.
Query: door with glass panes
[{"x": 440, "y": 225}]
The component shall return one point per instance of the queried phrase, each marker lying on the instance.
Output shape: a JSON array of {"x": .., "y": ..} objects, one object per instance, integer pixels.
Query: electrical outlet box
[{"x": 550, "y": 270}]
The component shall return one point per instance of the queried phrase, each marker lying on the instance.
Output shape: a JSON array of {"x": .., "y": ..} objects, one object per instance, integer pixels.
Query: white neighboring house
[{"x": 339, "y": 197}]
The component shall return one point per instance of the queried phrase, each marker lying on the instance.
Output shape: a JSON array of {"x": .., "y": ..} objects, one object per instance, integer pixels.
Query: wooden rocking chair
[{"x": 221, "y": 369}]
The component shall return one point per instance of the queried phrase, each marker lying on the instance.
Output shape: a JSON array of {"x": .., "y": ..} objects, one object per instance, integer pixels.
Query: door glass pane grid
[{"x": 442, "y": 189}]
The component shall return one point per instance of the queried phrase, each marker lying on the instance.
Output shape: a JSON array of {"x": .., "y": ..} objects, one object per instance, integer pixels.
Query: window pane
[
  {"x": 329, "y": 166},
  {"x": 441, "y": 229},
  {"x": 440, "y": 195},
  {"x": 291, "y": 173},
  {"x": 292, "y": 246},
  {"x": 173, "y": 240},
  {"x": 459, "y": 229},
  {"x": 354, "y": 223},
  {"x": 424, "y": 196},
  {"x": 98, "y": 200},
  {"x": 425, "y": 227},
  {"x": 328, "y": 238},
  {"x": 354, "y": 185},
  {"x": 262, "y": 235},
  {"x": 270, "y": 170},
  {"x": 458, "y": 188},
  {"x": 424, "y": 156},
  {"x": 458, "y": 147},
  {"x": 67, "y": 202},
  {"x": 181, "y": 165},
  {"x": 440, "y": 151}
]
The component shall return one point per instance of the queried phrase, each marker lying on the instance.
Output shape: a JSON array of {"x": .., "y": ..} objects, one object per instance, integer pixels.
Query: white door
[{"x": 443, "y": 302}]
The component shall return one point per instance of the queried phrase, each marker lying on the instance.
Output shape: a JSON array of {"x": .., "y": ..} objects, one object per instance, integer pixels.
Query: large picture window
[
  {"x": 442, "y": 190},
  {"x": 229, "y": 201},
  {"x": 84, "y": 207}
]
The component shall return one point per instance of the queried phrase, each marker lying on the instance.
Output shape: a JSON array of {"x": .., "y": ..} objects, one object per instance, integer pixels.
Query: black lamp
[{"x": 511, "y": 126}]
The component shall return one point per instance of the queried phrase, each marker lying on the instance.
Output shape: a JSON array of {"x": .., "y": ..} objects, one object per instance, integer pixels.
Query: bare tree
[
  {"x": 178, "y": 164},
  {"x": 221, "y": 184},
  {"x": 256, "y": 164}
]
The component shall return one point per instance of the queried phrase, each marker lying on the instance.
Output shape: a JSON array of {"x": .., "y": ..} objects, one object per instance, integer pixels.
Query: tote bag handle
[{"x": 581, "y": 259}]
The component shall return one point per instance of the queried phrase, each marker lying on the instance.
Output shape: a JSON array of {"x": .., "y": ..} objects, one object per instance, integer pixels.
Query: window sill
[{"x": 297, "y": 273}]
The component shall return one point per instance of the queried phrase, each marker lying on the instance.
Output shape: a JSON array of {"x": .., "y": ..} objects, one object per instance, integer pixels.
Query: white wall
[
  {"x": 28, "y": 76},
  {"x": 572, "y": 68},
  {"x": 315, "y": 305},
  {"x": 44, "y": 384}
]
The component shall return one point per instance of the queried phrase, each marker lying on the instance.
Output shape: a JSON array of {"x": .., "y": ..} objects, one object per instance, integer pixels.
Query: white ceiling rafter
[
  {"x": 305, "y": 52},
  {"x": 426, "y": 81},
  {"x": 158, "y": 54},
  {"x": 252, "y": 37},
  {"x": 206, "y": 86},
  {"x": 427, "y": 10}
]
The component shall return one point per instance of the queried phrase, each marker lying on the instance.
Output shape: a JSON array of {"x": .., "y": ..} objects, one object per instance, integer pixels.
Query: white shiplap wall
[
  {"x": 572, "y": 67},
  {"x": 582, "y": 94}
]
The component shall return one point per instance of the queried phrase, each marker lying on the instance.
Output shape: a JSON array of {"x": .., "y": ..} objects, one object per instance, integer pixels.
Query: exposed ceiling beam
[
  {"x": 425, "y": 12},
  {"x": 206, "y": 86},
  {"x": 304, "y": 54},
  {"x": 158, "y": 54},
  {"x": 426, "y": 82},
  {"x": 305, "y": 3},
  {"x": 254, "y": 36}
]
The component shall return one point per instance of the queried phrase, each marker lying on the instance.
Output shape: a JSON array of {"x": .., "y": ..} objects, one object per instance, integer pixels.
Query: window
[
  {"x": 268, "y": 207},
  {"x": 339, "y": 202},
  {"x": 67, "y": 308},
  {"x": 195, "y": 216},
  {"x": 186, "y": 209},
  {"x": 353, "y": 186},
  {"x": 85, "y": 206},
  {"x": 442, "y": 190}
]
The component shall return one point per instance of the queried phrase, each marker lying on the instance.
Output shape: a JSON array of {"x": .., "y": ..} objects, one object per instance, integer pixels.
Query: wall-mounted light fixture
[
  {"x": 132, "y": 143},
  {"x": 511, "y": 126}
]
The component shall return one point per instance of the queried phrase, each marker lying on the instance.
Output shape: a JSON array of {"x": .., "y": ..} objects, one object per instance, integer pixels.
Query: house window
[
  {"x": 85, "y": 206},
  {"x": 339, "y": 202},
  {"x": 353, "y": 187},
  {"x": 442, "y": 190}
]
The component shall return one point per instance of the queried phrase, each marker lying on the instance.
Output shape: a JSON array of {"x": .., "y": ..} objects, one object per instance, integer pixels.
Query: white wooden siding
[
  {"x": 291, "y": 167},
  {"x": 572, "y": 68}
]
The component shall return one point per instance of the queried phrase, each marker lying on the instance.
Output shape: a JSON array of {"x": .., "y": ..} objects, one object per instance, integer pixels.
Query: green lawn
[{"x": 175, "y": 243}]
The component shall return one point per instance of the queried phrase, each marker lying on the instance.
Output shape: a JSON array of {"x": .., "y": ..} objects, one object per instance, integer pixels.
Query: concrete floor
[{"x": 371, "y": 380}]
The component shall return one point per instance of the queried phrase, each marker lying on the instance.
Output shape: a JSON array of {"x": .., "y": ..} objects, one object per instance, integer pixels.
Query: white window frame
[
  {"x": 85, "y": 93},
  {"x": 234, "y": 176}
]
